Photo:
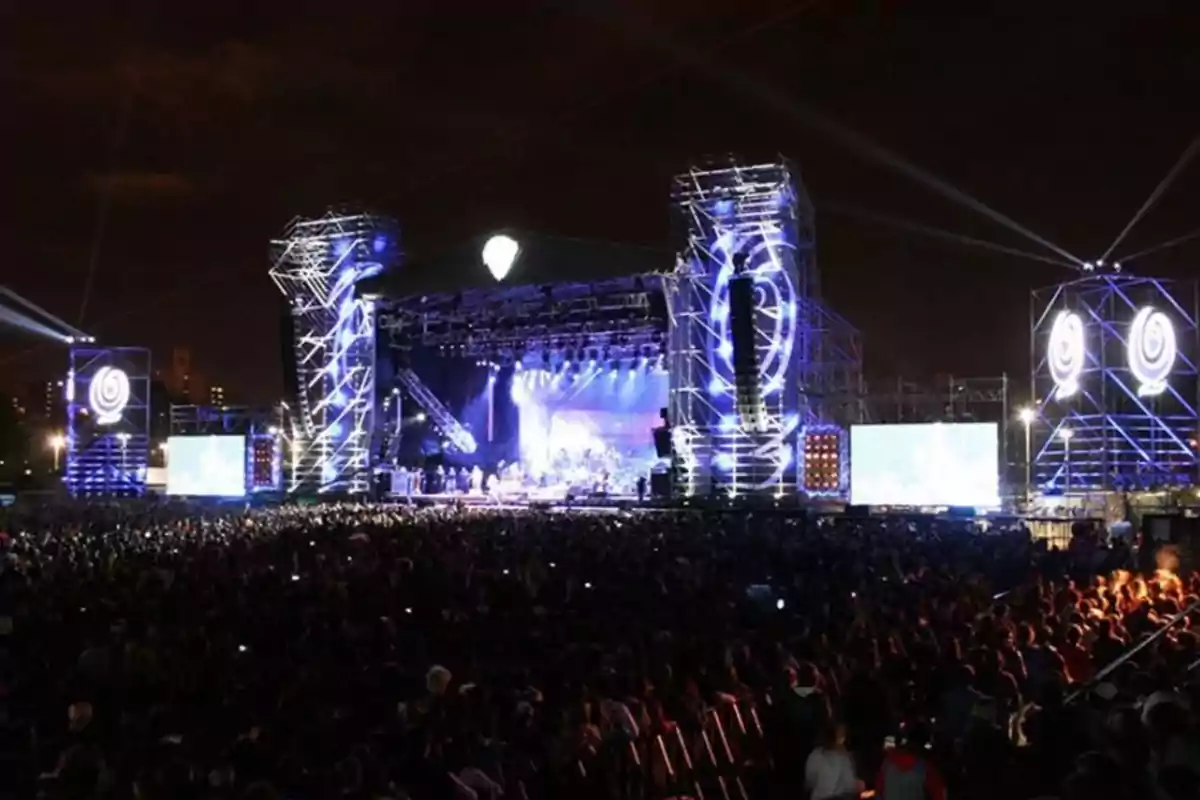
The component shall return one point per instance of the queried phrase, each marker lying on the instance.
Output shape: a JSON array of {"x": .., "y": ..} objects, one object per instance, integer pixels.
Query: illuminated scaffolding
[
  {"x": 317, "y": 265},
  {"x": 753, "y": 220},
  {"x": 108, "y": 421},
  {"x": 1113, "y": 363}
]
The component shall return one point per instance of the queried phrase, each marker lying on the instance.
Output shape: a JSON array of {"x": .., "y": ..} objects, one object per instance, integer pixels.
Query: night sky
[{"x": 160, "y": 146}]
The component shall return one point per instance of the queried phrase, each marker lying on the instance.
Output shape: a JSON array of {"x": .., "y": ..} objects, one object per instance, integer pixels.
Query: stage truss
[
  {"x": 760, "y": 213},
  {"x": 547, "y": 324},
  {"x": 317, "y": 265},
  {"x": 108, "y": 421},
  {"x": 1117, "y": 393}
]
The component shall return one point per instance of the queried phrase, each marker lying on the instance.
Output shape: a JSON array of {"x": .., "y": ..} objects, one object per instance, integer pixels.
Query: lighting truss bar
[
  {"x": 455, "y": 433},
  {"x": 507, "y": 319}
]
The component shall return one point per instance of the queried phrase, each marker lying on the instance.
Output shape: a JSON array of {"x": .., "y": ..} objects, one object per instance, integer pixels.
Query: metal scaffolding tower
[
  {"x": 1114, "y": 370},
  {"x": 754, "y": 221},
  {"x": 316, "y": 265},
  {"x": 108, "y": 421}
]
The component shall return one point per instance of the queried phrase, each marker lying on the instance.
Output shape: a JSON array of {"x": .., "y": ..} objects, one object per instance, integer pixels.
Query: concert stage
[{"x": 698, "y": 371}]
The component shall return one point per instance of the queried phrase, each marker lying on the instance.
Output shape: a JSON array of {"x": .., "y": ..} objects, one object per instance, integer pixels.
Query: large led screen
[
  {"x": 206, "y": 466},
  {"x": 600, "y": 420},
  {"x": 933, "y": 464}
]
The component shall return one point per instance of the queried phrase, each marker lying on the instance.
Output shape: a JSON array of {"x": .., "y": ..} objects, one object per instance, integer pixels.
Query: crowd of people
[{"x": 368, "y": 652}]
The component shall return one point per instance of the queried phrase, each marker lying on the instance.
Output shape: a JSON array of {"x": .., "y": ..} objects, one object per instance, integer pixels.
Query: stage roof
[{"x": 543, "y": 259}]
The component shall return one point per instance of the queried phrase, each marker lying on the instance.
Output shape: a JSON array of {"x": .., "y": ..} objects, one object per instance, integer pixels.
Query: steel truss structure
[
  {"x": 759, "y": 219},
  {"x": 948, "y": 398},
  {"x": 833, "y": 383},
  {"x": 1114, "y": 370},
  {"x": 611, "y": 319},
  {"x": 316, "y": 266},
  {"x": 108, "y": 421},
  {"x": 192, "y": 420}
]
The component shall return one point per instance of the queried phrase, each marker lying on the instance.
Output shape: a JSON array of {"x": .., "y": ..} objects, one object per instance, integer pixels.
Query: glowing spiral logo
[
  {"x": 108, "y": 394},
  {"x": 1152, "y": 349},
  {"x": 774, "y": 305},
  {"x": 1065, "y": 353}
]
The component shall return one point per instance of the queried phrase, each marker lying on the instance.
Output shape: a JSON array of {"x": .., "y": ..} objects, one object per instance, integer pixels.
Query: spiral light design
[
  {"x": 775, "y": 306},
  {"x": 108, "y": 394},
  {"x": 1065, "y": 353},
  {"x": 1152, "y": 350},
  {"x": 776, "y": 326}
]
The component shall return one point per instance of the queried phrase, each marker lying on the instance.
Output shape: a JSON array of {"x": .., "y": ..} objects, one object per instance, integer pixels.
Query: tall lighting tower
[
  {"x": 317, "y": 265},
  {"x": 740, "y": 327}
]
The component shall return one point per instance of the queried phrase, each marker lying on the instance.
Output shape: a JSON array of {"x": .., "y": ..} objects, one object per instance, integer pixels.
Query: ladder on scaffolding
[{"x": 459, "y": 437}]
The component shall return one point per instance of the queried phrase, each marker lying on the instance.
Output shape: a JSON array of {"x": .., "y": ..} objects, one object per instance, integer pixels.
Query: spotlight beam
[
  {"x": 803, "y": 115},
  {"x": 949, "y": 236},
  {"x": 28, "y": 323},
  {"x": 1168, "y": 179},
  {"x": 66, "y": 333},
  {"x": 1187, "y": 237}
]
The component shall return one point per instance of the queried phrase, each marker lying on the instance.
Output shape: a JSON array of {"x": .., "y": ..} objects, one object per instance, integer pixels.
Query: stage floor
[{"x": 522, "y": 500}]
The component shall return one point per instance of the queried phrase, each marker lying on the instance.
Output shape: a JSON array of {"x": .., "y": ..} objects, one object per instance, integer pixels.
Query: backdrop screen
[
  {"x": 206, "y": 466},
  {"x": 600, "y": 410},
  {"x": 933, "y": 464}
]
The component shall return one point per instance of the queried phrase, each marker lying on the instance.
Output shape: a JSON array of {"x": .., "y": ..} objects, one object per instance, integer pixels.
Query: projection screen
[
  {"x": 206, "y": 466},
  {"x": 930, "y": 464}
]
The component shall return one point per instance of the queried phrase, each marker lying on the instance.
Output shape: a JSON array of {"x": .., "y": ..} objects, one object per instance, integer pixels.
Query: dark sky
[{"x": 206, "y": 126}]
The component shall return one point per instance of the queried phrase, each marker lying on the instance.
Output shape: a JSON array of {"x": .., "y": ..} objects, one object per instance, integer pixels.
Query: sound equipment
[
  {"x": 662, "y": 436},
  {"x": 660, "y": 484},
  {"x": 747, "y": 391},
  {"x": 662, "y": 441}
]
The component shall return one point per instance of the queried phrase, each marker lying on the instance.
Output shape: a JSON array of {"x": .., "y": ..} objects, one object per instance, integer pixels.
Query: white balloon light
[
  {"x": 108, "y": 394},
  {"x": 499, "y": 254},
  {"x": 1065, "y": 353},
  {"x": 1152, "y": 350}
]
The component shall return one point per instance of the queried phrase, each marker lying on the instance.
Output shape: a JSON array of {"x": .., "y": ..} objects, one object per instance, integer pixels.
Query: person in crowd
[
  {"x": 908, "y": 773},
  {"x": 829, "y": 773}
]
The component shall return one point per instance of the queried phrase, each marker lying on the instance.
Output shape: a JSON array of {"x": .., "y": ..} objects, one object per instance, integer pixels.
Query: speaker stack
[{"x": 747, "y": 390}]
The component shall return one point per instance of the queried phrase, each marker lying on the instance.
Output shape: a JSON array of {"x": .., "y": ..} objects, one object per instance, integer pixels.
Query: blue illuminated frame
[
  {"x": 1109, "y": 434},
  {"x": 107, "y": 457}
]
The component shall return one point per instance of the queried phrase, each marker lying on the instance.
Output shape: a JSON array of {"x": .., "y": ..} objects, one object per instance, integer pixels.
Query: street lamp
[
  {"x": 57, "y": 442},
  {"x": 1066, "y": 435},
  {"x": 1027, "y": 415}
]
